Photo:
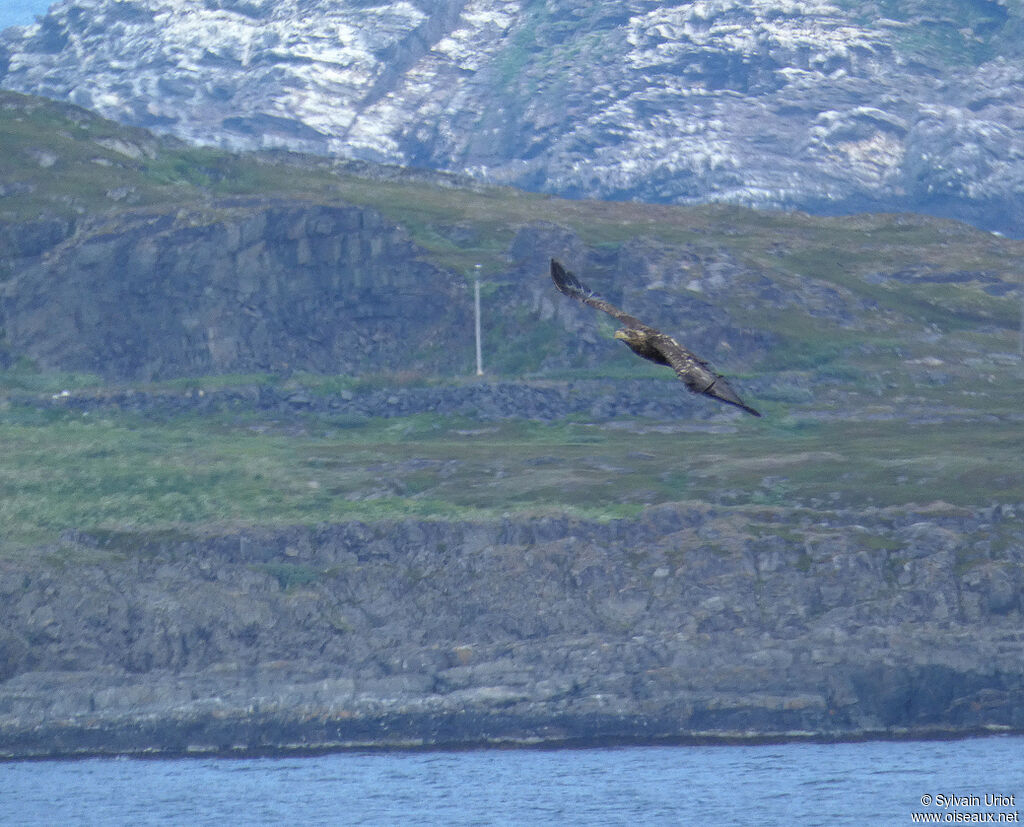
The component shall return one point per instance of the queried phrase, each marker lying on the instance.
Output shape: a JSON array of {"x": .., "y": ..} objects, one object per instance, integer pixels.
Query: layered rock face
[
  {"x": 241, "y": 286},
  {"x": 810, "y": 104},
  {"x": 238, "y": 288},
  {"x": 689, "y": 622}
]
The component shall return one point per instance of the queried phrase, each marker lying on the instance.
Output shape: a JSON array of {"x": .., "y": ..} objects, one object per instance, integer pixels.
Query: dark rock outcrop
[
  {"x": 690, "y": 622},
  {"x": 250, "y": 286},
  {"x": 541, "y": 400},
  {"x": 237, "y": 287}
]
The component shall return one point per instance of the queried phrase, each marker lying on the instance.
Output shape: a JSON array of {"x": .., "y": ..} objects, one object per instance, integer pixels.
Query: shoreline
[
  {"x": 511, "y": 742},
  {"x": 686, "y": 624}
]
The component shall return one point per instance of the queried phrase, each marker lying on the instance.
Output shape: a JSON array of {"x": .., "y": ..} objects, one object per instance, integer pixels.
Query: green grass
[
  {"x": 25, "y": 377},
  {"x": 119, "y": 472}
]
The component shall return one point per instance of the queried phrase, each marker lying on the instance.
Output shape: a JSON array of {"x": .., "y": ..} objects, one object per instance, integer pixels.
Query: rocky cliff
[
  {"x": 239, "y": 287},
  {"x": 690, "y": 622},
  {"x": 831, "y": 106}
]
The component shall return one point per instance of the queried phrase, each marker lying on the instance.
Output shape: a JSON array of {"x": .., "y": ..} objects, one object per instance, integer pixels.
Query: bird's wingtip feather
[{"x": 565, "y": 281}]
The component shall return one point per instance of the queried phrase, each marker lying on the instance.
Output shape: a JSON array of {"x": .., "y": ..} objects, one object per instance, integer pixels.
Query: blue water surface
[{"x": 863, "y": 783}]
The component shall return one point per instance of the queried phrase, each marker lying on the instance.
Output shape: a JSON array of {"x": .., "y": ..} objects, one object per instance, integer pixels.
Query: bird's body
[
  {"x": 640, "y": 343},
  {"x": 652, "y": 344}
]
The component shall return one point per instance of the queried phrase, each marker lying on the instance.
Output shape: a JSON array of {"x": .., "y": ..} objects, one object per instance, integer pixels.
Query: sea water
[{"x": 783, "y": 784}]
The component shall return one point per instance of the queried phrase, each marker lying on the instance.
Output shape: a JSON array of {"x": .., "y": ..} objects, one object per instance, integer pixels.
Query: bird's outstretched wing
[
  {"x": 567, "y": 283},
  {"x": 697, "y": 374},
  {"x": 652, "y": 344}
]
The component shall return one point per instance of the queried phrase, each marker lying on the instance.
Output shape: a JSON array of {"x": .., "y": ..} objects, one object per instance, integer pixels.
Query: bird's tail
[
  {"x": 721, "y": 391},
  {"x": 567, "y": 283}
]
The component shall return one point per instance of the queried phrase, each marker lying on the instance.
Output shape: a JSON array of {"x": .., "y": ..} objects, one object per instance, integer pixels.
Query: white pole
[
  {"x": 476, "y": 303},
  {"x": 1020, "y": 339}
]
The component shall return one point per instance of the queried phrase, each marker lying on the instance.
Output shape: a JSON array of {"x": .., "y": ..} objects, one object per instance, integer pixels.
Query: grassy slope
[
  {"x": 66, "y": 470},
  {"x": 847, "y": 407}
]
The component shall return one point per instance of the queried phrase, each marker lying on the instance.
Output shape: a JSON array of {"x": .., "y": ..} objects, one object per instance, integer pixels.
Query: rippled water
[{"x": 867, "y": 783}]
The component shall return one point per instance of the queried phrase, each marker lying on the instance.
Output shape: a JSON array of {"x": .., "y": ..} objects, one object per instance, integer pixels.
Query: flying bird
[{"x": 652, "y": 344}]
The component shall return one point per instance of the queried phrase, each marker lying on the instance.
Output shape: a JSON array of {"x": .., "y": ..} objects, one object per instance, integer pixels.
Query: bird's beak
[{"x": 621, "y": 334}]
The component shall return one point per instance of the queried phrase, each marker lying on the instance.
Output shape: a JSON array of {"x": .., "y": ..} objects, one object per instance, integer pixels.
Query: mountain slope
[
  {"x": 223, "y": 255},
  {"x": 897, "y": 104}
]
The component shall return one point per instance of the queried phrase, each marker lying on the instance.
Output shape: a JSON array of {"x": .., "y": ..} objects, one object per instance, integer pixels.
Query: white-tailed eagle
[{"x": 652, "y": 344}]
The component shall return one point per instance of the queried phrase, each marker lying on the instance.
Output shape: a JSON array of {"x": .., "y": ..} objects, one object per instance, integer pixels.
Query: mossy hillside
[
  {"x": 913, "y": 398},
  {"x": 63, "y": 469},
  {"x": 70, "y": 162},
  {"x": 66, "y": 161}
]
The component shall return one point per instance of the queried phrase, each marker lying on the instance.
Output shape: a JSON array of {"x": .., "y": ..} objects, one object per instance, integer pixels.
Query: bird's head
[{"x": 630, "y": 336}]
